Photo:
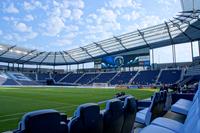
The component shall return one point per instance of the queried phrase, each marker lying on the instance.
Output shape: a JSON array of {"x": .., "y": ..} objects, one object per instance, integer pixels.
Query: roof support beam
[
  {"x": 178, "y": 26},
  {"x": 189, "y": 16},
  {"x": 70, "y": 56},
  {"x": 100, "y": 46},
  {"x": 63, "y": 57},
  {"x": 120, "y": 42},
  {"x": 187, "y": 22},
  {"x": 142, "y": 35},
  {"x": 8, "y": 50},
  {"x": 172, "y": 43},
  {"x": 169, "y": 33},
  {"x": 33, "y": 57},
  {"x": 44, "y": 58},
  {"x": 86, "y": 51},
  {"x": 15, "y": 61},
  {"x": 54, "y": 62}
]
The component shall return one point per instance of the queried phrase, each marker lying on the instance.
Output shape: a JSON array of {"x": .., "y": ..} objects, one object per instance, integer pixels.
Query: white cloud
[
  {"x": 11, "y": 9},
  {"x": 133, "y": 16},
  {"x": 33, "y": 5},
  {"x": 107, "y": 15},
  {"x": 22, "y": 27},
  {"x": 150, "y": 21},
  {"x": 54, "y": 26},
  {"x": 29, "y": 17},
  {"x": 1, "y": 32},
  {"x": 76, "y": 14},
  {"x": 66, "y": 39},
  {"x": 124, "y": 4}
]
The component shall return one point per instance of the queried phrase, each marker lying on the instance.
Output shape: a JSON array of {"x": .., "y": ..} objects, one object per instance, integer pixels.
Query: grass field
[{"x": 14, "y": 102}]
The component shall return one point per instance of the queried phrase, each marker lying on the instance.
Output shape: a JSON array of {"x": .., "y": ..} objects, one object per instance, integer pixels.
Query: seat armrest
[{"x": 176, "y": 97}]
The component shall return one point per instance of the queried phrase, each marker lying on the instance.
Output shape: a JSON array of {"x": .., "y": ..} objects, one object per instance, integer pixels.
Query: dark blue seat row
[
  {"x": 88, "y": 77},
  {"x": 146, "y": 77},
  {"x": 169, "y": 76},
  {"x": 118, "y": 117},
  {"x": 104, "y": 77},
  {"x": 123, "y": 78},
  {"x": 72, "y": 77}
]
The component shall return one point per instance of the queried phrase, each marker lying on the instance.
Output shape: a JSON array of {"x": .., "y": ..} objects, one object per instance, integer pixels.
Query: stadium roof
[{"x": 184, "y": 28}]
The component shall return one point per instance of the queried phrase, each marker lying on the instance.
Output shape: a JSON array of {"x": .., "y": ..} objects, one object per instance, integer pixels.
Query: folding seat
[
  {"x": 42, "y": 121},
  {"x": 130, "y": 109},
  {"x": 146, "y": 115},
  {"x": 165, "y": 125},
  {"x": 182, "y": 106},
  {"x": 113, "y": 116},
  {"x": 87, "y": 119}
]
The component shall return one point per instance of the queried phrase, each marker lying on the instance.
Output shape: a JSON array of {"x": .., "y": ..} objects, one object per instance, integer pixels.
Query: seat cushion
[
  {"x": 140, "y": 117},
  {"x": 184, "y": 101},
  {"x": 181, "y": 107},
  {"x": 156, "y": 129},
  {"x": 168, "y": 123}
]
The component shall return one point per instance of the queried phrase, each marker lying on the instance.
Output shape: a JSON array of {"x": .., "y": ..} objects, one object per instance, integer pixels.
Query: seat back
[
  {"x": 113, "y": 116},
  {"x": 87, "y": 119},
  {"x": 154, "y": 108},
  {"x": 130, "y": 109},
  {"x": 192, "y": 122},
  {"x": 42, "y": 121}
]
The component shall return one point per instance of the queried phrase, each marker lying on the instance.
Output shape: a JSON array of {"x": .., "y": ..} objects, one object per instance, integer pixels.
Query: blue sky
[
  {"x": 53, "y": 25},
  {"x": 64, "y": 24}
]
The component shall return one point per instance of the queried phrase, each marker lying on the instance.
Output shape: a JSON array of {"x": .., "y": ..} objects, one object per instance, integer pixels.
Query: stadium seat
[
  {"x": 87, "y": 119},
  {"x": 130, "y": 109},
  {"x": 42, "y": 121},
  {"x": 182, "y": 106},
  {"x": 191, "y": 124},
  {"x": 113, "y": 116},
  {"x": 146, "y": 115}
]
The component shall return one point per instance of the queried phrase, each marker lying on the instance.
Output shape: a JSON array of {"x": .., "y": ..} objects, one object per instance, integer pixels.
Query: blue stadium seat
[
  {"x": 191, "y": 124},
  {"x": 113, "y": 116},
  {"x": 146, "y": 115},
  {"x": 182, "y": 106},
  {"x": 42, "y": 121},
  {"x": 87, "y": 119},
  {"x": 130, "y": 109}
]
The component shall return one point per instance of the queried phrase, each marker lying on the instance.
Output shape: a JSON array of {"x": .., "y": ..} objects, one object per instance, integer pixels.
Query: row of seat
[
  {"x": 182, "y": 106},
  {"x": 118, "y": 117}
]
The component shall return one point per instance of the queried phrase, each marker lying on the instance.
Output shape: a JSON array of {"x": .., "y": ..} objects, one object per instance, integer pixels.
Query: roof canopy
[{"x": 184, "y": 28}]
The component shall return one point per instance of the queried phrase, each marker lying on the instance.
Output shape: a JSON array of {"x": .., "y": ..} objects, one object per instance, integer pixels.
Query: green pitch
[{"x": 15, "y": 102}]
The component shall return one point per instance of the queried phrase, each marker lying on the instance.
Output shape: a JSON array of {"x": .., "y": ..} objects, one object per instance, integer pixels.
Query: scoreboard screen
[{"x": 124, "y": 61}]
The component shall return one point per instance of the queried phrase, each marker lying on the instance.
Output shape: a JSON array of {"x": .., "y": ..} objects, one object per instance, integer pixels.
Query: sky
[{"x": 54, "y": 25}]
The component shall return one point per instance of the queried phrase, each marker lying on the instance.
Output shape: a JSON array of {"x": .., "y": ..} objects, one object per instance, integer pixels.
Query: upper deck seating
[
  {"x": 146, "y": 77},
  {"x": 104, "y": 77},
  {"x": 86, "y": 78},
  {"x": 113, "y": 116},
  {"x": 42, "y": 121},
  {"x": 57, "y": 77},
  {"x": 72, "y": 77},
  {"x": 87, "y": 119},
  {"x": 191, "y": 124},
  {"x": 169, "y": 76},
  {"x": 43, "y": 76},
  {"x": 123, "y": 78}
]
